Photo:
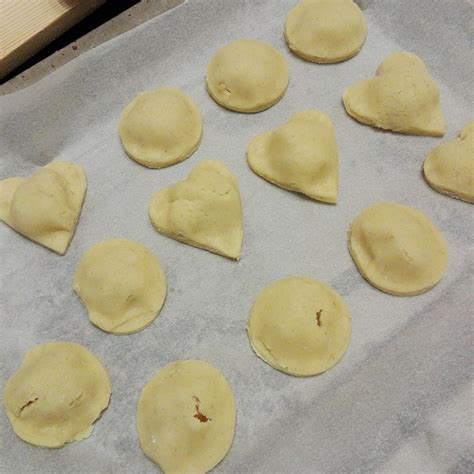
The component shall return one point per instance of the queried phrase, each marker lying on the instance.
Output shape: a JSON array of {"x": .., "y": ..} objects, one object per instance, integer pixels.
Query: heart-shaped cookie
[
  {"x": 300, "y": 155},
  {"x": 449, "y": 167},
  {"x": 402, "y": 97},
  {"x": 45, "y": 208},
  {"x": 203, "y": 210}
]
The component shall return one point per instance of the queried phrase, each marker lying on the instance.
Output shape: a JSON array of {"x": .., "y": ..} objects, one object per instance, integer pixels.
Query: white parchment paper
[{"x": 401, "y": 399}]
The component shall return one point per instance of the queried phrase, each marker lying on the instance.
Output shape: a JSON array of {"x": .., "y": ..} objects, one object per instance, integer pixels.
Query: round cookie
[
  {"x": 57, "y": 393},
  {"x": 325, "y": 31},
  {"x": 186, "y": 417},
  {"x": 299, "y": 326},
  {"x": 247, "y": 76},
  {"x": 397, "y": 249},
  {"x": 160, "y": 128},
  {"x": 121, "y": 284}
]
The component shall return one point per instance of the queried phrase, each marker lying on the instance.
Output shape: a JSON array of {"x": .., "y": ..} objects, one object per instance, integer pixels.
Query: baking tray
[{"x": 399, "y": 400}]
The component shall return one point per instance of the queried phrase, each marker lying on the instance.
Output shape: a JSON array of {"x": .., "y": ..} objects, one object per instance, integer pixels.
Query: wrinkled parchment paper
[{"x": 401, "y": 399}]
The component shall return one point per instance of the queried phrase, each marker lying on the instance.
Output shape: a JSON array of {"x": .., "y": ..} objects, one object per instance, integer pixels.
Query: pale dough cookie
[
  {"x": 121, "y": 284},
  {"x": 325, "y": 31},
  {"x": 46, "y": 207},
  {"x": 247, "y": 76},
  {"x": 186, "y": 417},
  {"x": 449, "y": 168},
  {"x": 402, "y": 97},
  {"x": 57, "y": 393},
  {"x": 160, "y": 128},
  {"x": 299, "y": 326},
  {"x": 300, "y": 155},
  {"x": 204, "y": 210},
  {"x": 397, "y": 249}
]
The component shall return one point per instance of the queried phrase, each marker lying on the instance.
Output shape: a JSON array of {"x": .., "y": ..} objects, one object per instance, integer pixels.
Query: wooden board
[{"x": 26, "y": 26}]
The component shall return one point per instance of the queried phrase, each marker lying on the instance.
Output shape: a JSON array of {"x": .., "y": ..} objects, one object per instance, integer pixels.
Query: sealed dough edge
[
  {"x": 191, "y": 242},
  {"x": 244, "y": 110},
  {"x": 443, "y": 189},
  {"x": 39, "y": 399},
  {"x": 126, "y": 328},
  {"x": 269, "y": 359},
  {"x": 457, "y": 156},
  {"x": 73, "y": 178},
  {"x": 438, "y": 130},
  {"x": 332, "y": 201}
]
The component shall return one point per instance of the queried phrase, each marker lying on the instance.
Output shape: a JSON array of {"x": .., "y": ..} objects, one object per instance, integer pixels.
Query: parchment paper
[{"x": 401, "y": 399}]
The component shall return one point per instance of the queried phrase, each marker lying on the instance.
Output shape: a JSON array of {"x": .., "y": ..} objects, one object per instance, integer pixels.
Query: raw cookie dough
[
  {"x": 186, "y": 417},
  {"x": 402, "y": 97},
  {"x": 449, "y": 168},
  {"x": 121, "y": 284},
  {"x": 325, "y": 31},
  {"x": 57, "y": 393},
  {"x": 397, "y": 249},
  {"x": 160, "y": 128},
  {"x": 299, "y": 326},
  {"x": 204, "y": 210},
  {"x": 46, "y": 207},
  {"x": 247, "y": 76},
  {"x": 300, "y": 155}
]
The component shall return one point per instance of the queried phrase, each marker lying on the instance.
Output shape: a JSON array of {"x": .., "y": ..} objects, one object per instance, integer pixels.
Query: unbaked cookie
[
  {"x": 449, "y": 168},
  {"x": 160, "y": 128},
  {"x": 299, "y": 326},
  {"x": 247, "y": 76},
  {"x": 397, "y": 249},
  {"x": 186, "y": 417},
  {"x": 57, "y": 393},
  {"x": 325, "y": 31},
  {"x": 402, "y": 97},
  {"x": 121, "y": 284},
  {"x": 300, "y": 155},
  {"x": 46, "y": 207},
  {"x": 204, "y": 210}
]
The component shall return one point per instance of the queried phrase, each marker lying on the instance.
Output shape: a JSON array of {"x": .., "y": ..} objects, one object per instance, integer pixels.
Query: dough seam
[
  {"x": 294, "y": 190},
  {"x": 192, "y": 242},
  {"x": 241, "y": 110}
]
